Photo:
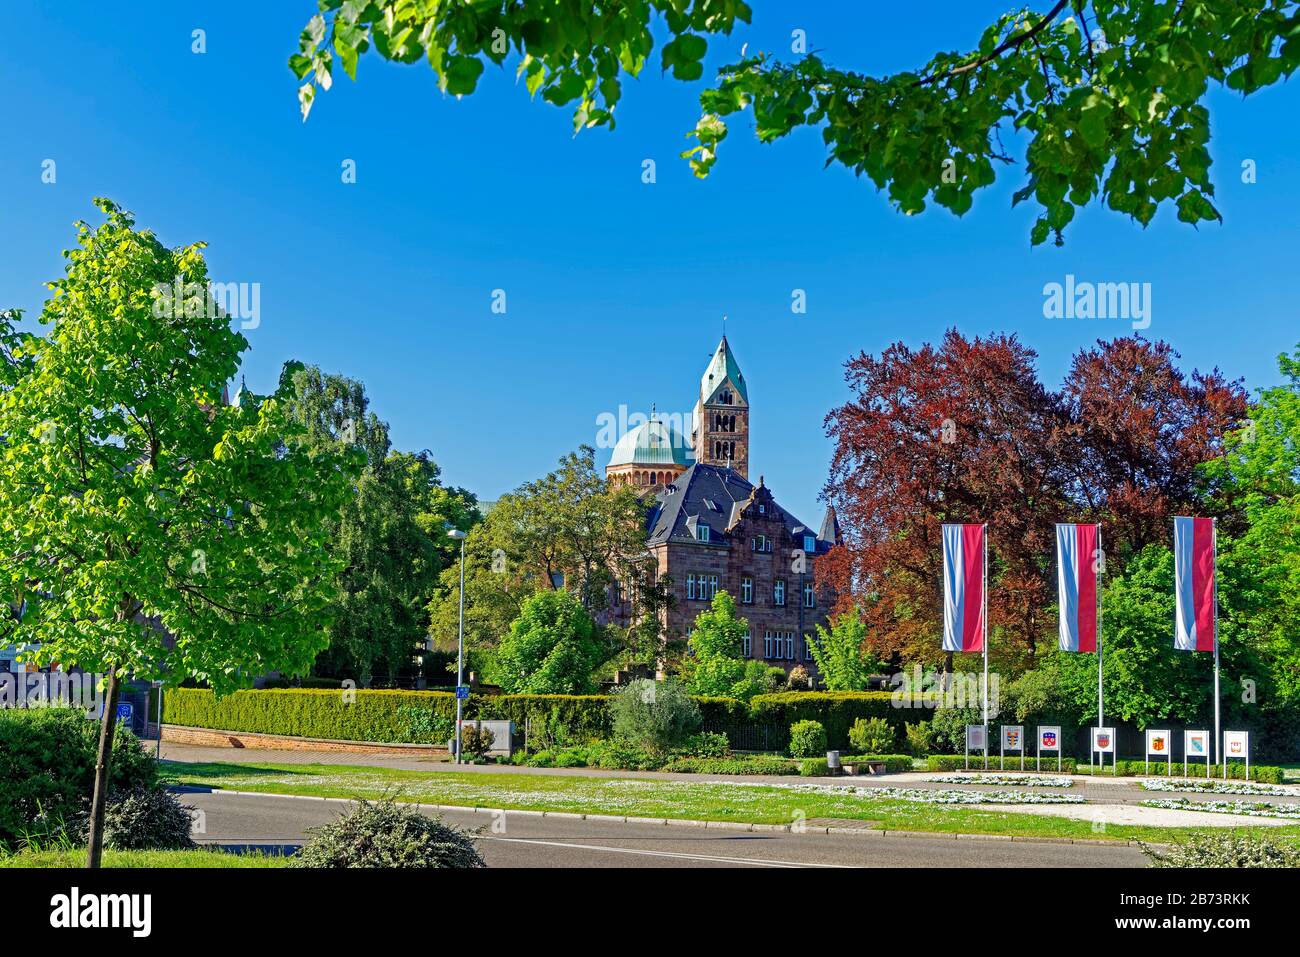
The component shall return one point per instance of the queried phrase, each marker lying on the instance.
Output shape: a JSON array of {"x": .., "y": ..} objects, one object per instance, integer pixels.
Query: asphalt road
[{"x": 521, "y": 840}]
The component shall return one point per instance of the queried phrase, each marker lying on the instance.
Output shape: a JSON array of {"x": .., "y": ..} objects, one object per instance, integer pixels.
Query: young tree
[
  {"x": 553, "y": 647},
  {"x": 840, "y": 653},
  {"x": 715, "y": 663},
  {"x": 150, "y": 529},
  {"x": 1109, "y": 93}
]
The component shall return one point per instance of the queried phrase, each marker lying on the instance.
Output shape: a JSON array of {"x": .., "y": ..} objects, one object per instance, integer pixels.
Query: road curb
[{"x": 708, "y": 825}]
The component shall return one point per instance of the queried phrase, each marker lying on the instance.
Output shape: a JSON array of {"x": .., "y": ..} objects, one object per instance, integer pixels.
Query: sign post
[
  {"x": 1103, "y": 743},
  {"x": 1158, "y": 744},
  {"x": 1013, "y": 739},
  {"x": 1236, "y": 744},
  {"x": 976, "y": 740},
  {"x": 1196, "y": 744},
  {"x": 1049, "y": 739}
]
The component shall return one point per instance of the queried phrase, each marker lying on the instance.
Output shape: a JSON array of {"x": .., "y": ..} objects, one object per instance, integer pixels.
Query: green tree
[
  {"x": 1108, "y": 93},
  {"x": 840, "y": 655},
  {"x": 553, "y": 647},
  {"x": 150, "y": 529},
  {"x": 569, "y": 530},
  {"x": 714, "y": 663},
  {"x": 1258, "y": 487},
  {"x": 390, "y": 534}
]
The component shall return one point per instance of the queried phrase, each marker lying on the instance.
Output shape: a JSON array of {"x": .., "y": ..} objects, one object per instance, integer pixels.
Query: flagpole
[
  {"x": 1218, "y": 741},
  {"x": 985, "y": 640},
  {"x": 1100, "y": 565}
]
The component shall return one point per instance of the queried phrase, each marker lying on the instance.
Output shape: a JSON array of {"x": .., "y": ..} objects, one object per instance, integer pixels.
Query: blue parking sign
[
  {"x": 125, "y": 710},
  {"x": 462, "y": 691}
]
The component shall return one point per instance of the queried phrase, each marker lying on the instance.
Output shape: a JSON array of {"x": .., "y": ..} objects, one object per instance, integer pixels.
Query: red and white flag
[
  {"x": 1195, "y": 620},
  {"x": 1077, "y": 551},
  {"x": 963, "y": 587}
]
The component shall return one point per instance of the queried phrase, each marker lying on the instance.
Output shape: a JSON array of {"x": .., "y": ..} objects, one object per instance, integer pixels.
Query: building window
[
  {"x": 778, "y": 592},
  {"x": 746, "y": 646},
  {"x": 690, "y": 584},
  {"x": 713, "y": 587},
  {"x": 807, "y": 651},
  {"x": 809, "y": 595},
  {"x": 762, "y": 543},
  {"x": 810, "y": 543},
  {"x": 702, "y": 533},
  {"x": 789, "y": 646},
  {"x": 747, "y": 591},
  {"x": 767, "y": 645}
]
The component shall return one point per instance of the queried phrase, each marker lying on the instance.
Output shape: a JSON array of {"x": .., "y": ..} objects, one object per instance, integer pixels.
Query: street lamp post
[{"x": 459, "y": 536}]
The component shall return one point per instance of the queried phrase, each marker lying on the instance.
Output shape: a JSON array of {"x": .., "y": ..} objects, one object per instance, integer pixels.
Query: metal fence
[{"x": 751, "y": 736}]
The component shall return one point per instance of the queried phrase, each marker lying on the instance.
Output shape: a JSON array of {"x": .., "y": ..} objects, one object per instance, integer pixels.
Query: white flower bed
[
  {"x": 1013, "y": 780},
  {"x": 1247, "y": 808},
  {"x": 934, "y": 796},
  {"x": 1216, "y": 787}
]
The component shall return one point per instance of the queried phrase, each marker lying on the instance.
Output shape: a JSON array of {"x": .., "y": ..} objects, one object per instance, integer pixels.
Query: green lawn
[
  {"x": 189, "y": 859},
  {"x": 656, "y": 798}
]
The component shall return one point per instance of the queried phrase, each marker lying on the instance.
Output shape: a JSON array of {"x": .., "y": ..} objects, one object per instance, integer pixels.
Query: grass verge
[{"x": 153, "y": 859}]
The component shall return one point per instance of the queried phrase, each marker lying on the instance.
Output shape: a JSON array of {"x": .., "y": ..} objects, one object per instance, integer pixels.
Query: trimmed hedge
[
  {"x": 956, "y": 762},
  {"x": 835, "y": 710},
  {"x": 1264, "y": 773},
  {"x": 386, "y": 716},
  {"x": 894, "y": 763}
]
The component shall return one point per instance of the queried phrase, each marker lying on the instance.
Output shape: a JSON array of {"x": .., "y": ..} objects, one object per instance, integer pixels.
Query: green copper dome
[{"x": 653, "y": 443}]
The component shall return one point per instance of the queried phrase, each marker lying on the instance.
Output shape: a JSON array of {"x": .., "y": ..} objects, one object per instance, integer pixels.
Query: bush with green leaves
[
  {"x": 47, "y": 767},
  {"x": 475, "y": 741},
  {"x": 949, "y": 727},
  {"x": 1228, "y": 849},
  {"x": 807, "y": 739},
  {"x": 732, "y": 765},
  {"x": 143, "y": 819},
  {"x": 920, "y": 737},
  {"x": 382, "y": 834},
  {"x": 871, "y": 736},
  {"x": 706, "y": 744},
  {"x": 655, "y": 716}
]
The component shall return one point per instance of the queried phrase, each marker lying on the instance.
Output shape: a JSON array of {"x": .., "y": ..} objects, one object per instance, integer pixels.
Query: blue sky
[{"x": 615, "y": 289}]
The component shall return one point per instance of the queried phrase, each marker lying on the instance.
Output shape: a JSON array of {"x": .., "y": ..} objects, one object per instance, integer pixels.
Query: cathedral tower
[{"x": 720, "y": 430}]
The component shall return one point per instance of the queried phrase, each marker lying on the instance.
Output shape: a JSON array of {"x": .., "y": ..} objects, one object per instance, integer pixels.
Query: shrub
[
  {"x": 799, "y": 679},
  {"x": 476, "y": 741},
  {"x": 385, "y": 834},
  {"x": 920, "y": 737},
  {"x": 1265, "y": 773},
  {"x": 750, "y": 765},
  {"x": 807, "y": 739},
  {"x": 47, "y": 767},
  {"x": 654, "y": 716},
  {"x": 1226, "y": 850},
  {"x": 815, "y": 768},
  {"x": 836, "y": 710},
  {"x": 143, "y": 819},
  {"x": 871, "y": 736},
  {"x": 621, "y": 756},
  {"x": 706, "y": 744}
]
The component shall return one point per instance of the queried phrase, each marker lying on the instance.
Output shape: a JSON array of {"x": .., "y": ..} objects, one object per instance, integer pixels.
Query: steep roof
[
  {"x": 709, "y": 495},
  {"x": 830, "y": 530},
  {"x": 722, "y": 366}
]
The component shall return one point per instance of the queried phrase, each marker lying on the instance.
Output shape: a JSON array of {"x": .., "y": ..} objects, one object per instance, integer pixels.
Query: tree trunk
[{"x": 103, "y": 763}]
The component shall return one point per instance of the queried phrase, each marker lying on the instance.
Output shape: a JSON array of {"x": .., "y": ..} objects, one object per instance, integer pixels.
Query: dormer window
[
  {"x": 702, "y": 533},
  {"x": 810, "y": 543}
]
